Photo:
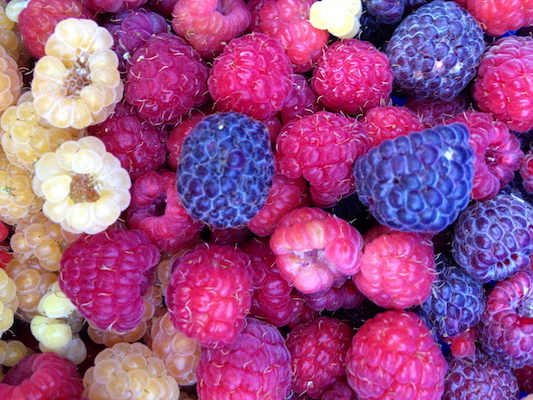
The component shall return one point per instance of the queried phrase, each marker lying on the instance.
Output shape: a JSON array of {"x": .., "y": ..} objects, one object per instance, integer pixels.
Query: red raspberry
[
  {"x": 322, "y": 148},
  {"x": 352, "y": 76},
  {"x": 388, "y": 122},
  {"x": 497, "y": 153},
  {"x": 285, "y": 195},
  {"x": 42, "y": 376},
  {"x": 255, "y": 366},
  {"x": 394, "y": 356},
  {"x": 526, "y": 171},
  {"x": 315, "y": 250},
  {"x": 111, "y": 6},
  {"x": 339, "y": 390},
  {"x": 271, "y": 300},
  {"x": 163, "y": 7},
  {"x": 345, "y": 296},
  {"x": 435, "y": 112},
  {"x": 104, "y": 274},
  {"x": 300, "y": 102},
  {"x": 210, "y": 293},
  {"x": 318, "y": 350},
  {"x": 397, "y": 270},
  {"x": 156, "y": 210},
  {"x": 208, "y": 25},
  {"x": 167, "y": 78},
  {"x": 39, "y": 18},
  {"x": 301, "y": 312},
  {"x": 138, "y": 145},
  {"x": 502, "y": 86},
  {"x": 251, "y": 76},
  {"x": 288, "y": 21},
  {"x": 524, "y": 377},
  {"x": 255, "y": 7}
]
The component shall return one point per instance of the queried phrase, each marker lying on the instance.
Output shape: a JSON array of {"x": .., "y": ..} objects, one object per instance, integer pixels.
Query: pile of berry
[{"x": 266, "y": 199}]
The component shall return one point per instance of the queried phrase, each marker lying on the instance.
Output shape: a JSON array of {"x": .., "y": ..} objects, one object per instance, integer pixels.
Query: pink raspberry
[
  {"x": 255, "y": 366},
  {"x": 39, "y": 18},
  {"x": 104, "y": 274},
  {"x": 339, "y": 390},
  {"x": 111, "y": 6},
  {"x": 352, "y": 76},
  {"x": 497, "y": 153},
  {"x": 301, "y": 312},
  {"x": 318, "y": 350},
  {"x": 255, "y": 7},
  {"x": 315, "y": 250},
  {"x": 502, "y": 87},
  {"x": 300, "y": 102},
  {"x": 394, "y": 355},
  {"x": 208, "y": 25},
  {"x": 388, "y": 122},
  {"x": 228, "y": 236},
  {"x": 322, "y": 148},
  {"x": 346, "y": 296},
  {"x": 138, "y": 145},
  {"x": 288, "y": 21},
  {"x": 251, "y": 76},
  {"x": 435, "y": 112},
  {"x": 285, "y": 195},
  {"x": 156, "y": 210},
  {"x": 526, "y": 171},
  {"x": 397, "y": 270},
  {"x": 42, "y": 376},
  {"x": 210, "y": 293},
  {"x": 167, "y": 79},
  {"x": 271, "y": 300}
]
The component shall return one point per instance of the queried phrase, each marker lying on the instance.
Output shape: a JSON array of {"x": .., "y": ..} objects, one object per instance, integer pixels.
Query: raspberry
[
  {"x": 501, "y": 86},
  {"x": 352, "y": 77},
  {"x": 42, "y": 376},
  {"x": 167, "y": 79},
  {"x": 210, "y": 293},
  {"x": 318, "y": 349},
  {"x": 322, "y": 148},
  {"x": 497, "y": 153},
  {"x": 315, "y": 250},
  {"x": 524, "y": 377},
  {"x": 340, "y": 18},
  {"x": 344, "y": 296},
  {"x": 256, "y": 366},
  {"x": 300, "y": 102},
  {"x": 131, "y": 29},
  {"x": 479, "y": 377},
  {"x": 374, "y": 31},
  {"x": 8, "y": 301},
  {"x": 251, "y": 76},
  {"x": 111, "y": 6},
  {"x": 393, "y": 355},
  {"x": 492, "y": 239},
  {"x": 102, "y": 275},
  {"x": 456, "y": 303},
  {"x": 419, "y": 182},
  {"x": 39, "y": 18},
  {"x": 288, "y": 21},
  {"x": 12, "y": 351},
  {"x": 397, "y": 270},
  {"x": 386, "y": 11},
  {"x": 163, "y": 7},
  {"x": 129, "y": 371},
  {"x": 497, "y": 17},
  {"x": 436, "y": 112},
  {"x": 388, "y": 122},
  {"x": 156, "y": 210},
  {"x": 435, "y": 51},
  {"x": 225, "y": 170},
  {"x": 208, "y": 25},
  {"x": 526, "y": 171},
  {"x": 11, "y": 81},
  {"x": 228, "y": 236},
  {"x": 504, "y": 330},
  {"x": 138, "y": 145}
]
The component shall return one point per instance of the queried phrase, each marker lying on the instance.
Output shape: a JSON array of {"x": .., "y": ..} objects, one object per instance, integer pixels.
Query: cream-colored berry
[
  {"x": 338, "y": 17},
  {"x": 52, "y": 333}
]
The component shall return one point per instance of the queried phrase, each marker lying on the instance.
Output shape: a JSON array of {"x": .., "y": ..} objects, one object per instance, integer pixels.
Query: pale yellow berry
[
  {"x": 14, "y": 7},
  {"x": 52, "y": 333},
  {"x": 8, "y": 302},
  {"x": 339, "y": 17},
  {"x": 55, "y": 304},
  {"x": 13, "y": 352},
  {"x": 75, "y": 350}
]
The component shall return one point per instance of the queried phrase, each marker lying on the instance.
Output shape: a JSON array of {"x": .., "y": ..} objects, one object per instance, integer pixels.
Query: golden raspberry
[
  {"x": 77, "y": 82},
  {"x": 9, "y": 37},
  {"x": 10, "y": 80},
  {"x": 8, "y": 302},
  {"x": 12, "y": 351},
  {"x": 84, "y": 187}
]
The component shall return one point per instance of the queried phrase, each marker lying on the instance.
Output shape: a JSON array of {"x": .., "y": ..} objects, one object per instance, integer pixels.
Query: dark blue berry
[{"x": 386, "y": 11}]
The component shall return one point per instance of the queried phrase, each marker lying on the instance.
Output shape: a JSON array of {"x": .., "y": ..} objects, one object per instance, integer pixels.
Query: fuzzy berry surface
[
  {"x": 435, "y": 51},
  {"x": 393, "y": 355},
  {"x": 208, "y": 25},
  {"x": 225, "y": 170},
  {"x": 255, "y": 366},
  {"x": 210, "y": 293},
  {"x": 301, "y": 101},
  {"x": 436, "y": 112},
  {"x": 104, "y": 276},
  {"x": 315, "y": 250},
  {"x": 492, "y": 239},
  {"x": 419, "y": 182},
  {"x": 502, "y": 85},
  {"x": 166, "y": 79},
  {"x": 252, "y": 75},
  {"x": 352, "y": 76},
  {"x": 42, "y": 376},
  {"x": 388, "y": 122},
  {"x": 318, "y": 350},
  {"x": 322, "y": 148}
]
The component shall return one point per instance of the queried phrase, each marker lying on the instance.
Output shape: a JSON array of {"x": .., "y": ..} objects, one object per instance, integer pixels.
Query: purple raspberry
[{"x": 386, "y": 11}]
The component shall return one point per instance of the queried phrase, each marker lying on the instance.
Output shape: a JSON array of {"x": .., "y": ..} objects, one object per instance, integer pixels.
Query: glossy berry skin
[
  {"x": 393, "y": 355},
  {"x": 435, "y": 51},
  {"x": 210, "y": 293},
  {"x": 419, "y": 182},
  {"x": 387, "y": 122},
  {"x": 386, "y": 11},
  {"x": 492, "y": 240},
  {"x": 437, "y": 112},
  {"x": 255, "y": 366},
  {"x": 225, "y": 170}
]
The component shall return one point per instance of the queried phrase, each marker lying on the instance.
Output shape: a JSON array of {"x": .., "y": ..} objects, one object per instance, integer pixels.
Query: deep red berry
[{"x": 387, "y": 122}]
